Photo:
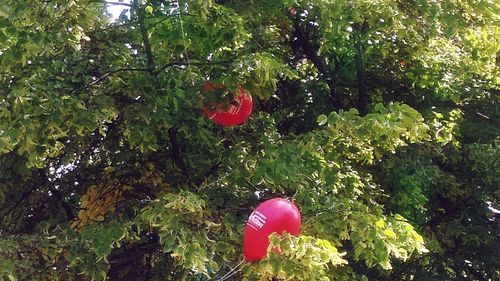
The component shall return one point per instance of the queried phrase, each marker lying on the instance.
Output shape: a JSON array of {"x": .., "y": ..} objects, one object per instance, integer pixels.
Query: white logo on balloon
[
  {"x": 257, "y": 220},
  {"x": 235, "y": 109}
]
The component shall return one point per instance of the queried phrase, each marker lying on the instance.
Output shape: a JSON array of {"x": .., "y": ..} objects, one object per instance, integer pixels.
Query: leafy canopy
[{"x": 379, "y": 119}]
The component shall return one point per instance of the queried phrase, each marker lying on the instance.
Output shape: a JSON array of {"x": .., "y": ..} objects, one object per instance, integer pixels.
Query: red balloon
[
  {"x": 234, "y": 114},
  {"x": 274, "y": 215}
]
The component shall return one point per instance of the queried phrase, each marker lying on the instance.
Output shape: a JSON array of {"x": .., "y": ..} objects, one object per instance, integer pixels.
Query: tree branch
[
  {"x": 25, "y": 196},
  {"x": 175, "y": 151},
  {"x": 113, "y": 72},
  {"x": 113, "y": 3},
  {"x": 361, "y": 77},
  {"x": 312, "y": 54},
  {"x": 112, "y": 26},
  {"x": 158, "y": 70},
  {"x": 145, "y": 36}
]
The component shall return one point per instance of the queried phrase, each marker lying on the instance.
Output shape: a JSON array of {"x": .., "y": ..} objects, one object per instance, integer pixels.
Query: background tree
[{"x": 379, "y": 119}]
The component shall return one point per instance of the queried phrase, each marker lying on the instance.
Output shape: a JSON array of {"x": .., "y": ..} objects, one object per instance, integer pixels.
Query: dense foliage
[{"x": 378, "y": 118}]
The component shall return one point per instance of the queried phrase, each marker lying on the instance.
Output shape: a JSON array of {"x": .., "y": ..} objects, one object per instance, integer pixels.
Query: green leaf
[
  {"x": 380, "y": 223},
  {"x": 390, "y": 233},
  {"x": 322, "y": 119}
]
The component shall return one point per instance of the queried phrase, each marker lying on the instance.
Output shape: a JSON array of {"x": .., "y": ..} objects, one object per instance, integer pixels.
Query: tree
[{"x": 379, "y": 119}]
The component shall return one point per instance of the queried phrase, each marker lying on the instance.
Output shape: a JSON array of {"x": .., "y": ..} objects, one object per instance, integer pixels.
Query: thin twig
[
  {"x": 146, "y": 69},
  {"x": 113, "y": 72},
  {"x": 114, "y": 3}
]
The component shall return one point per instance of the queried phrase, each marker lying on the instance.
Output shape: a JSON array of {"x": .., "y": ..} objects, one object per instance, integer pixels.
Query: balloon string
[{"x": 231, "y": 272}]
